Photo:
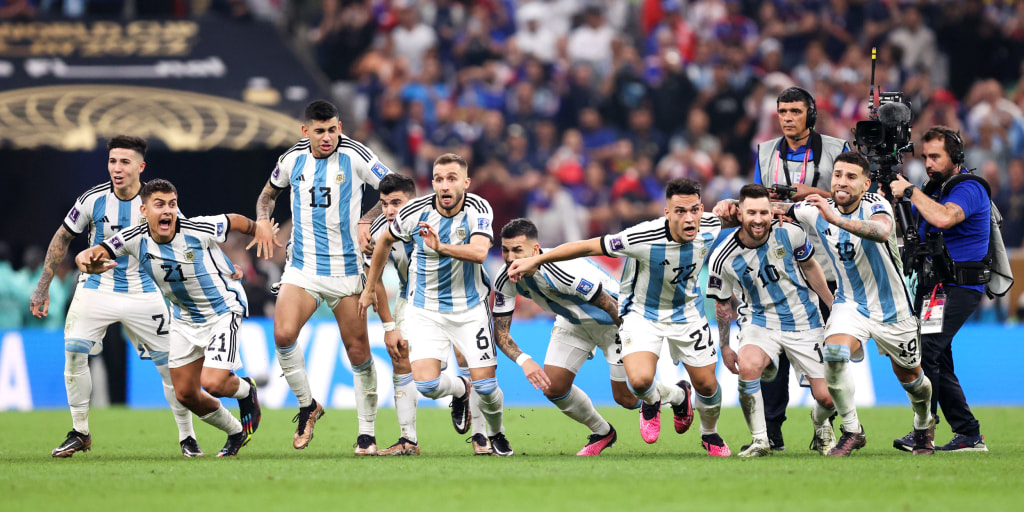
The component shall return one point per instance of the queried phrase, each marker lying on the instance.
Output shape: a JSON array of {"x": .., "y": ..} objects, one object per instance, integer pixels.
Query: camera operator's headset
[
  {"x": 812, "y": 118},
  {"x": 957, "y": 155}
]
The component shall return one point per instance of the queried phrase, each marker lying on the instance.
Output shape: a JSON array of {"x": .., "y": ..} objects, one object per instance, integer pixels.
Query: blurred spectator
[
  {"x": 429, "y": 88},
  {"x": 534, "y": 38},
  {"x": 646, "y": 138},
  {"x": 14, "y": 291},
  {"x": 916, "y": 40},
  {"x": 411, "y": 38},
  {"x": 726, "y": 184},
  {"x": 552, "y": 208},
  {"x": 1010, "y": 201},
  {"x": 591, "y": 42}
]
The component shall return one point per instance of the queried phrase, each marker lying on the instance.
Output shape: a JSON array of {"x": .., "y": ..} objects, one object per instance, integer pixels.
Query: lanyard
[
  {"x": 779, "y": 163},
  {"x": 931, "y": 302}
]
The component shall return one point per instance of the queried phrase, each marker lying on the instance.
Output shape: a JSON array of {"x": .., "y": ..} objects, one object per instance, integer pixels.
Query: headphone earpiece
[
  {"x": 812, "y": 107},
  {"x": 957, "y": 155}
]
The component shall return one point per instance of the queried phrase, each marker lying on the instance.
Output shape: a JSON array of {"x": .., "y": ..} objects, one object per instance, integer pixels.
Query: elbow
[
  {"x": 944, "y": 223},
  {"x": 479, "y": 258}
]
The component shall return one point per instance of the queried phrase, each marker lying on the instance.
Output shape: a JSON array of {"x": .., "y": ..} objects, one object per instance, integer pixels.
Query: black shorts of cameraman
[{"x": 937, "y": 356}]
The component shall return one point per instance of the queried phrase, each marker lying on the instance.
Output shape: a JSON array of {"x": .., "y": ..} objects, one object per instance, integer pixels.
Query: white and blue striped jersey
[
  {"x": 399, "y": 256},
  {"x": 443, "y": 283},
  {"x": 772, "y": 290},
  {"x": 326, "y": 199},
  {"x": 191, "y": 270},
  {"x": 659, "y": 280},
  {"x": 104, "y": 214},
  {"x": 564, "y": 288},
  {"x": 869, "y": 274}
]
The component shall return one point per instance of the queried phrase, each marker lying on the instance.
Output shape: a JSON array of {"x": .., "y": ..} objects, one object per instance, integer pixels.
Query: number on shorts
[
  {"x": 223, "y": 347},
  {"x": 821, "y": 356},
  {"x": 618, "y": 344},
  {"x": 160, "y": 328},
  {"x": 482, "y": 340},
  {"x": 698, "y": 337},
  {"x": 910, "y": 347},
  {"x": 170, "y": 269}
]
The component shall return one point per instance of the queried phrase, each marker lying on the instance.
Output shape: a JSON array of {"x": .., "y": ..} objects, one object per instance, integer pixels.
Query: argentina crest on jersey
[{"x": 460, "y": 232}]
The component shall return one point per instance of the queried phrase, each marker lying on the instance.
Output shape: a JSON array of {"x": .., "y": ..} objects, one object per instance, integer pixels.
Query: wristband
[
  {"x": 522, "y": 358},
  {"x": 388, "y": 326}
]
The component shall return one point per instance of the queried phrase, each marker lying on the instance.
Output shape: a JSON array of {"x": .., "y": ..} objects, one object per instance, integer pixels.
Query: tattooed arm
[
  {"x": 605, "y": 301},
  {"x": 876, "y": 229},
  {"x": 723, "y": 316},
  {"x": 39, "y": 303},
  {"x": 534, "y": 373},
  {"x": 363, "y": 229},
  {"x": 264, "y": 236}
]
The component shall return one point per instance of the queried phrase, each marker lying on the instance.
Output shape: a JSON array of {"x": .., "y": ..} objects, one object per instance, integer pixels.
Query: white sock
[
  {"x": 365, "y": 386},
  {"x": 819, "y": 414},
  {"x": 670, "y": 393},
  {"x": 243, "y": 389},
  {"x": 293, "y": 364},
  {"x": 476, "y": 419},
  {"x": 920, "y": 394},
  {"x": 406, "y": 398},
  {"x": 78, "y": 383},
  {"x": 752, "y": 403},
  {"x": 841, "y": 385},
  {"x": 182, "y": 416},
  {"x": 709, "y": 407},
  {"x": 491, "y": 409},
  {"x": 651, "y": 396},
  {"x": 223, "y": 420},
  {"x": 577, "y": 405}
]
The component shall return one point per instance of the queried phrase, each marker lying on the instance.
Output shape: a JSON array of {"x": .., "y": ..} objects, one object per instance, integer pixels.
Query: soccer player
[
  {"x": 125, "y": 295},
  {"x": 451, "y": 233},
  {"x": 769, "y": 266},
  {"x": 871, "y": 301},
  {"x": 663, "y": 304},
  {"x": 326, "y": 172},
  {"x": 584, "y": 299},
  {"x": 182, "y": 257}
]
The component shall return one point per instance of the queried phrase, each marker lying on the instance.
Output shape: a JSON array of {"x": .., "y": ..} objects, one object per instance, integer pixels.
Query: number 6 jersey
[
  {"x": 870, "y": 274},
  {"x": 191, "y": 270}
]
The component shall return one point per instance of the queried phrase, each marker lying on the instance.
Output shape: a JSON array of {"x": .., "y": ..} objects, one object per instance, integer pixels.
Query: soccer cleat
[
  {"x": 190, "y": 448},
  {"x": 481, "y": 446},
  {"x": 235, "y": 442},
  {"x": 75, "y": 442},
  {"x": 905, "y": 443},
  {"x": 848, "y": 442},
  {"x": 249, "y": 409},
  {"x": 365, "y": 445},
  {"x": 682, "y": 414},
  {"x": 306, "y": 418},
  {"x": 403, "y": 447},
  {"x": 500, "y": 446},
  {"x": 757, "y": 448},
  {"x": 924, "y": 440},
  {"x": 650, "y": 421},
  {"x": 460, "y": 410},
  {"x": 597, "y": 443},
  {"x": 715, "y": 445},
  {"x": 824, "y": 438},
  {"x": 962, "y": 443}
]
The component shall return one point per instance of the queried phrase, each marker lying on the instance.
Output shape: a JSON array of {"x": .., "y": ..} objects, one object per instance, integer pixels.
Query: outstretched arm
[
  {"x": 474, "y": 252},
  {"x": 605, "y": 301},
  {"x": 876, "y": 229},
  {"x": 534, "y": 373},
  {"x": 566, "y": 251},
  {"x": 373, "y": 276},
  {"x": 264, "y": 238},
  {"x": 95, "y": 260},
  {"x": 816, "y": 279},
  {"x": 39, "y": 303}
]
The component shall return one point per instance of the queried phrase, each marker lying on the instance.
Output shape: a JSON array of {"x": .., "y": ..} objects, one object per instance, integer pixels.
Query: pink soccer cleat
[
  {"x": 597, "y": 443},
  {"x": 650, "y": 421},
  {"x": 715, "y": 445}
]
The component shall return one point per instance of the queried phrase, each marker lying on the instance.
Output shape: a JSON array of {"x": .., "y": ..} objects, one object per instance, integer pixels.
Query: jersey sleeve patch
[
  {"x": 379, "y": 170},
  {"x": 714, "y": 282},
  {"x": 584, "y": 287},
  {"x": 877, "y": 208}
]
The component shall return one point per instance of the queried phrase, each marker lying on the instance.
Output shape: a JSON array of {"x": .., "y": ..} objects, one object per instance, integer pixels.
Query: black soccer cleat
[
  {"x": 460, "y": 410},
  {"x": 500, "y": 446},
  {"x": 235, "y": 442},
  {"x": 249, "y": 409},
  {"x": 905, "y": 443},
  {"x": 75, "y": 442},
  {"x": 190, "y": 447}
]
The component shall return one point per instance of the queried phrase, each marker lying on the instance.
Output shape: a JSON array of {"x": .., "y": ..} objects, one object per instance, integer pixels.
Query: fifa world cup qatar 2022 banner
[{"x": 32, "y": 369}]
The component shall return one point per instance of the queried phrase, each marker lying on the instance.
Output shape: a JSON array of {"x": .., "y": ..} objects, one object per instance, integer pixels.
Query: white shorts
[
  {"x": 144, "y": 316},
  {"x": 689, "y": 343},
  {"x": 329, "y": 289},
  {"x": 399, "y": 315},
  {"x": 803, "y": 348},
  {"x": 900, "y": 341},
  {"x": 216, "y": 340},
  {"x": 436, "y": 332},
  {"x": 572, "y": 345}
]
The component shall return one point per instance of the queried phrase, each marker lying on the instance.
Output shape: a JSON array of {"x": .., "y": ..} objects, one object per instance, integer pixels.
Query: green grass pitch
[{"x": 135, "y": 464}]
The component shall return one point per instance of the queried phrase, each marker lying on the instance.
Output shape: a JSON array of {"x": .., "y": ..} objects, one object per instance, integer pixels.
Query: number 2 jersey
[
  {"x": 191, "y": 270},
  {"x": 659, "y": 280},
  {"x": 326, "y": 199},
  {"x": 767, "y": 279},
  {"x": 104, "y": 214},
  {"x": 869, "y": 274}
]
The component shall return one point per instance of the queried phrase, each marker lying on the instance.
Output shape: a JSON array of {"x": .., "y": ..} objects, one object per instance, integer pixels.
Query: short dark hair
[
  {"x": 158, "y": 185},
  {"x": 448, "y": 158},
  {"x": 320, "y": 110},
  {"x": 753, "y": 191},
  {"x": 397, "y": 183},
  {"x": 520, "y": 227},
  {"x": 855, "y": 158},
  {"x": 682, "y": 187},
  {"x": 949, "y": 138},
  {"x": 137, "y": 144},
  {"x": 794, "y": 94}
]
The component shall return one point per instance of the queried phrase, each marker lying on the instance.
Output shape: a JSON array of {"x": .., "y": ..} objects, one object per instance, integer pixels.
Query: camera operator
[
  {"x": 961, "y": 214},
  {"x": 801, "y": 159}
]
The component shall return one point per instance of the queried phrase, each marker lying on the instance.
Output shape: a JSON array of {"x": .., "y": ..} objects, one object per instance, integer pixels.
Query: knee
[
  {"x": 486, "y": 386},
  {"x": 285, "y": 334},
  {"x": 214, "y": 386},
  {"x": 640, "y": 383},
  {"x": 557, "y": 390},
  {"x": 749, "y": 370},
  {"x": 186, "y": 395}
]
